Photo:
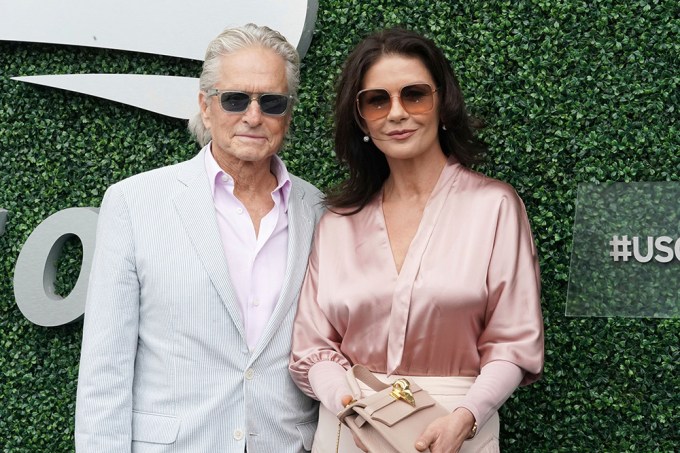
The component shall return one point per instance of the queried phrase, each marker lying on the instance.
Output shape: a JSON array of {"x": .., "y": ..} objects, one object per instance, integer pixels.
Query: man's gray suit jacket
[{"x": 164, "y": 362}]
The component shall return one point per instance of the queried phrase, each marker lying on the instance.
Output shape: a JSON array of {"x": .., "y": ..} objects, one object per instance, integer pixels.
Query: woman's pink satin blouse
[{"x": 468, "y": 292}]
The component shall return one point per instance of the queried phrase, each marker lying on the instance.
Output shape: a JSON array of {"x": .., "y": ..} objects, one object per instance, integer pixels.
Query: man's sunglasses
[
  {"x": 272, "y": 104},
  {"x": 375, "y": 103}
]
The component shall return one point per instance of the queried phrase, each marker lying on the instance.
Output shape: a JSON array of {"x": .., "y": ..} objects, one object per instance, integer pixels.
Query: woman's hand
[
  {"x": 447, "y": 434},
  {"x": 346, "y": 400}
]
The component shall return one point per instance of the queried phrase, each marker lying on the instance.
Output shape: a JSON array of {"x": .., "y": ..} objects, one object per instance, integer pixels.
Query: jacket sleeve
[{"x": 104, "y": 396}]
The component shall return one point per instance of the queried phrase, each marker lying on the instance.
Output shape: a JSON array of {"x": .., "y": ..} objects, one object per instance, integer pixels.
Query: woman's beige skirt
[{"x": 446, "y": 390}]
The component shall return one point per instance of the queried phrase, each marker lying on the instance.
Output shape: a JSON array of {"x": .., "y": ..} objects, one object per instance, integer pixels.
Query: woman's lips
[{"x": 401, "y": 134}]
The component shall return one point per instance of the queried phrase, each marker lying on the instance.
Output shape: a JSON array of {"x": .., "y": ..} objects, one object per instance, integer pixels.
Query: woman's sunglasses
[
  {"x": 272, "y": 104},
  {"x": 375, "y": 103}
]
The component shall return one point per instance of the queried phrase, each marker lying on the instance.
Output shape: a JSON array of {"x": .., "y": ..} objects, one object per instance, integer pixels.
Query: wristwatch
[{"x": 473, "y": 431}]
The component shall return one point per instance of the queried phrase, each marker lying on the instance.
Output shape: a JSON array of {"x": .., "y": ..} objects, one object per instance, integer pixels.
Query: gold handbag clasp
[{"x": 401, "y": 390}]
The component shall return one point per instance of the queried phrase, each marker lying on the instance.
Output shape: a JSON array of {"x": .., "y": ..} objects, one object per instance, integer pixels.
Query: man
[{"x": 196, "y": 275}]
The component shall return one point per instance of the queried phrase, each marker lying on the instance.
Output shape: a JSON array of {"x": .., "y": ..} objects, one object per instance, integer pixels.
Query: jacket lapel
[
  {"x": 301, "y": 223},
  {"x": 196, "y": 210}
]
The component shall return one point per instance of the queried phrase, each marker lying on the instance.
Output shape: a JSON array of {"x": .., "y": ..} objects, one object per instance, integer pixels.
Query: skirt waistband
[{"x": 434, "y": 385}]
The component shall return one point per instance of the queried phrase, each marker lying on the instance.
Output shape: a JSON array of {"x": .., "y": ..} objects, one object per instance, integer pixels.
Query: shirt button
[
  {"x": 238, "y": 434},
  {"x": 239, "y": 210},
  {"x": 250, "y": 373},
  {"x": 256, "y": 302},
  {"x": 225, "y": 178}
]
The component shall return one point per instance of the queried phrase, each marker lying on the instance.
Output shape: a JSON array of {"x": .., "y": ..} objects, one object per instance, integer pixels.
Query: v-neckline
[
  {"x": 432, "y": 208},
  {"x": 390, "y": 248},
  {"x": 406, "y": 278}
]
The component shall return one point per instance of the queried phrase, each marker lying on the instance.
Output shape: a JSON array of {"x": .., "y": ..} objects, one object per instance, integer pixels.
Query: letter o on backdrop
[
  {"x": 36, "y": 268},
  {"x": 3, "y": 219}
]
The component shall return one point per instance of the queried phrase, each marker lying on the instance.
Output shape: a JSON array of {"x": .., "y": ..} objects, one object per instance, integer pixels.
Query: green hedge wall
[{"x": 571, "y": 90}]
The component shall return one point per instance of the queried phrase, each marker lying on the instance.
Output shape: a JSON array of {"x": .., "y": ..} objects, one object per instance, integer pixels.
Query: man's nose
[{"x": 253, "y": 114}]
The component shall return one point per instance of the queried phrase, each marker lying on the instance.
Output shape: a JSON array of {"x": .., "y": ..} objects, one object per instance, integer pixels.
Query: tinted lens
[
  {"x": 270, "y": 104},
  {"x": 416, "y": 98},
  {"x": 273, "y": 104},
  {"x": 374, "y": 104},
  {"x": 234, "y": 101}
]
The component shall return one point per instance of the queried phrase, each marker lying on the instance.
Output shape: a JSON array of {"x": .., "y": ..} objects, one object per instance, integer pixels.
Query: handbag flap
[{"x": 389, "y": 411}]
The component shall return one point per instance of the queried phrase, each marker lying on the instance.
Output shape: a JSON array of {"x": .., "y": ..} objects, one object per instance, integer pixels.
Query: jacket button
[
  {"x": 250, "y": 373},
  {"x": 238, "y": 434}
]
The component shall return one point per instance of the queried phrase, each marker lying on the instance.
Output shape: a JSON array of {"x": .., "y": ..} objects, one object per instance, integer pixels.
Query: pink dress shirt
[
  {"x": 257, "y": 264},
  {"x": 468, "y": 293}
]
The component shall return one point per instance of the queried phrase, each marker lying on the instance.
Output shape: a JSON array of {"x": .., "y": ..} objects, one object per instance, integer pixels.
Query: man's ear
[{"x": 203, "y": 105}]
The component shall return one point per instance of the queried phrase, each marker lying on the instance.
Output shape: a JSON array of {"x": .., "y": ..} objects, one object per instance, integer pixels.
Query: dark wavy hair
[{"x": 368, "y": 168}]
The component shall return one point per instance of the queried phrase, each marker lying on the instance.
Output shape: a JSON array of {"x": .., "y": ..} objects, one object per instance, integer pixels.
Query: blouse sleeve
[
  {"x": 513, "y": 321},
  {"x": 494, "y": 385},
  {"x": 314, "y": 337}
]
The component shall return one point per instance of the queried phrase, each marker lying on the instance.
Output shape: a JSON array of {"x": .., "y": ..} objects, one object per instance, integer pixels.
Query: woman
[{"x": 421, "y": 267}]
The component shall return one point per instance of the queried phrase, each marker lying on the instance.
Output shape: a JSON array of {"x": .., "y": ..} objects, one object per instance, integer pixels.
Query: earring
[
  {"x": 366, "y": 138},
  {"x": 443, "y": 127}
]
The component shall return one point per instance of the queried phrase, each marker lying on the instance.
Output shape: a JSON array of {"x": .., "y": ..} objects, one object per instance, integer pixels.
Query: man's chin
[{"x": 248, "y": 155}]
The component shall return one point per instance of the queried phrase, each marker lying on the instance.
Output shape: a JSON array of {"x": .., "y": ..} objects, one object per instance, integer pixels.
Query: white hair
[{"x": 237, "y": 38}]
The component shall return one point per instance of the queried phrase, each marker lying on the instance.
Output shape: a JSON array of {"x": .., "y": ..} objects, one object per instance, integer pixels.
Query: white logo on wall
[{"x": 178, "y": 28}]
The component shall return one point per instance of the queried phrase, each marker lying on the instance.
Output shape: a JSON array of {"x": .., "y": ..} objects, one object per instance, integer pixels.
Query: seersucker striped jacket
[{"x": 164, "y": 362}]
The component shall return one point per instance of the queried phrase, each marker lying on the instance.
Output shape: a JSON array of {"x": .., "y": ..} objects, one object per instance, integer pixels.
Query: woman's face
[{"x": 404, "y": 132}]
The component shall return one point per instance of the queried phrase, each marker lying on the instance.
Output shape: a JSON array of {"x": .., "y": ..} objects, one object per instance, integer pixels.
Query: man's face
[{"x": 250, "y": 136}]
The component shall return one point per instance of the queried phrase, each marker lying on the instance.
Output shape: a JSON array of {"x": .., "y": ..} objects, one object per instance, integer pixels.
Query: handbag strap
[{"x": 363, "y": 374}]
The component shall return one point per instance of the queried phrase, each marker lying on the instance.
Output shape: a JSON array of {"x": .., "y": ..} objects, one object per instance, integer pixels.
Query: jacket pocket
[
  {"x": 306, "y": 431},
  {"x": 154, "y": 428}
]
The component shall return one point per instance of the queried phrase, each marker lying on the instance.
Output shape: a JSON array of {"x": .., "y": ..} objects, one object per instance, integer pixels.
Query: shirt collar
[{"x": 278, "y": 168}]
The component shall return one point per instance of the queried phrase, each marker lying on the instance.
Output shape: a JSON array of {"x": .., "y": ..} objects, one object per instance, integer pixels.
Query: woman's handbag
[{"x": 392, "y": 419}]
